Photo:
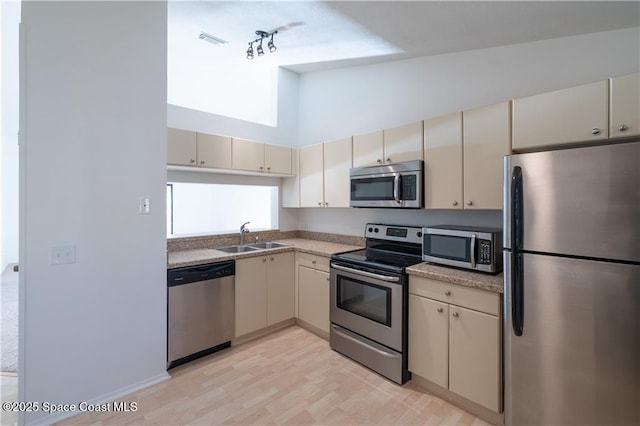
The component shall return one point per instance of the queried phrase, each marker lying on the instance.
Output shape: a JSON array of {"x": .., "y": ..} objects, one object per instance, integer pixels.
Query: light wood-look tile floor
[{"x": 289, "y": 377}]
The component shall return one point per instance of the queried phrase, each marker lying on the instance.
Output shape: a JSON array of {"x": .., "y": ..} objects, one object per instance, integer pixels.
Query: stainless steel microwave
[
  {"x": 468, "y": 247},
  {"x": 396, "y": 185}
]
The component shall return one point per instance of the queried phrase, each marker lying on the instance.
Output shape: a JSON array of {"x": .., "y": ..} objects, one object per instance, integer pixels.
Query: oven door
[{"x": 368, "y": 303}]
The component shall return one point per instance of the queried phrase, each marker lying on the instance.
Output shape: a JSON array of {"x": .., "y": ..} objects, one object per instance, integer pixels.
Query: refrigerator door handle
[{"x": 517, "y": 275}]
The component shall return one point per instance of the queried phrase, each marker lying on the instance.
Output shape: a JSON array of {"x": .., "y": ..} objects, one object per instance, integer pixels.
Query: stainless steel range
[{"x": 369, "y": 293}]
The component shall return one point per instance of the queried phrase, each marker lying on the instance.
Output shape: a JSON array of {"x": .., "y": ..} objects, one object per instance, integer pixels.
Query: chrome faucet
[{"x": 243, "y": 230}]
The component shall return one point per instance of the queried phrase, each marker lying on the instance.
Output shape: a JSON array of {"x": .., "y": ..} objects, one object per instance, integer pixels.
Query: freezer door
[
  {"x": 579, "y": 202},
  {"x": 576, "y": 362}
]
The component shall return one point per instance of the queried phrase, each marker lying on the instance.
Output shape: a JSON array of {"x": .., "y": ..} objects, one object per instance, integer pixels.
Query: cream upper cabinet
[
  {"x": 337, "y": 163},
  {"x": 247, "y": 155},
  {"x": 368, "y": 149},
  {"x": 403, "y": 143},
  {"x": 213, "y": 151},
  {"x": 278, "y": 159},
  {"x": 311, "y": 176},
  {"x": 624, "y": 108},
  {"x": 280, "y": 287},
  {"x": 291, "y": 185},
  {"x": 576, "y": 114},
  {"x": 181, "y": 147},
  {"x": 259, "y": 157},
  {"x": 486, "y": 140},
  {"x": 455, "y": 339},
  {"x": 443, "y": 162}
]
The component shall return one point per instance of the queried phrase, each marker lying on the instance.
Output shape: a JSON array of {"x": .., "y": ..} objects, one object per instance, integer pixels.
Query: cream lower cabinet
[
  {"x": 455, "y": 339},
  {"x": 313, "y": 291},
  {"x": 264, "y": 291}
]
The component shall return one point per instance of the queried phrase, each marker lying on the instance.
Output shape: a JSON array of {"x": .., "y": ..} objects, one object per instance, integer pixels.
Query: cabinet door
[
  {"x": 475, "y": 363},
  {"x": 214, "y": 151},
  {"x": 251, "y": 295},
  {"x": 277, "y": 159},
  {"x": 486, "y": 140},
  {"x": 311, "y": 176},
  {"x": 575, "y": 114},
  {"x": 337, "y": 162},
  {"x": 443, "y": 162},
  {"x": 429, "y": 339},
  {"x": 247, "y": 155},
  {"x": 368, "y": 149},
  {"x": 291, "y": 185},
  {"x": 280, "y": 287},
  {"x": 625, "y": 106},
  {"x": 313, "y": 297},
  {"x": 181, "y": 147},
  {"x": 403, "y": 143}
]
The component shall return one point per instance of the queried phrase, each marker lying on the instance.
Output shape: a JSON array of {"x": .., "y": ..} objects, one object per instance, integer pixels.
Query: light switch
[{"x": 63, "y": 254}]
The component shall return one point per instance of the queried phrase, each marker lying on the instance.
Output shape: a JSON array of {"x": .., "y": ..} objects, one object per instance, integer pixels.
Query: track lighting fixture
[{"x": 260, "y": 50}]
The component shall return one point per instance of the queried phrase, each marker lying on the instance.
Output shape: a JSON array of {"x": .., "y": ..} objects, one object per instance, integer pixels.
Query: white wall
[
  {"x": 343, "y": 102},
  {"x": 93, "y": 143},
  {"x": 356, "y": 100},
  {"x": 284, "y": 133},
  {"x": 10, "y": 12}
]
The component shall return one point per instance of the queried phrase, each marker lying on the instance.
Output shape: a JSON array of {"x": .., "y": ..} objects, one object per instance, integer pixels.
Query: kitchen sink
[
  {"x": 237, "y": 249},
  {"x": 270, "y": 245}
]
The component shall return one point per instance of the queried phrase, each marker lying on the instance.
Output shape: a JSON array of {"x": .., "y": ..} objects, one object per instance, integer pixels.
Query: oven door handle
[{"x": 366, "y": 274}]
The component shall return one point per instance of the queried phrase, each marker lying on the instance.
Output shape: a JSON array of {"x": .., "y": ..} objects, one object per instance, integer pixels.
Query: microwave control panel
[{"x": 485, "y": 252}]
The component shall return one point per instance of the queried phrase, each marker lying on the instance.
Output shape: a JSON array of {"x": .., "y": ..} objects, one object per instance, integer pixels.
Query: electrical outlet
[
  {"x": 63, "y": 254},
  {"x": 144, "y": 206}
]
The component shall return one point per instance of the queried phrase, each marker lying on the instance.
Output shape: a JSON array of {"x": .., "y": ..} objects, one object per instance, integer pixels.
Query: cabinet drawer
[
  {"x": 320, "y": 263},
  {"x": 479, "y": 300}
]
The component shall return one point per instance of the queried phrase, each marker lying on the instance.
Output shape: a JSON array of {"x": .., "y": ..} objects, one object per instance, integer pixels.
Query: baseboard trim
[
  {"x": 476, "y": 409},
  {"x": 313, "y": 329},
  {"x": 103, "y": 399},
  {"x": 262, "y": 332}
]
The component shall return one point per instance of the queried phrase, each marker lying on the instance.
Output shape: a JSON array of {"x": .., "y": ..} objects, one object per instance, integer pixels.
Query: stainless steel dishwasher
[{"x": 200, "y": 311}]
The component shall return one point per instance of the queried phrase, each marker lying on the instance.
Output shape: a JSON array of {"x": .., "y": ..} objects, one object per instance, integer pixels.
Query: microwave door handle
[
  {"x": 396, "y": 187},
  {"x": 473, "y": 251}
]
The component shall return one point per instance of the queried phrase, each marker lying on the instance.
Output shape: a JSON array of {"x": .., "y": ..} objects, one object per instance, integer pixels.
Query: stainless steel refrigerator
[{"x": 572, "y": 286}]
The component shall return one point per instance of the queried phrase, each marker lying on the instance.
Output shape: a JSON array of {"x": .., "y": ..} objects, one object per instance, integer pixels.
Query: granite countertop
[
  {"x": 458, "y": 276},
  {"x": 181, "y": 258}
]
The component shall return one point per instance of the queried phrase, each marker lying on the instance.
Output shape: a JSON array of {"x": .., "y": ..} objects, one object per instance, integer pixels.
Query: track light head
[
  {"x": 250, "y": 51},
  {"x": 260, "y": 50}
]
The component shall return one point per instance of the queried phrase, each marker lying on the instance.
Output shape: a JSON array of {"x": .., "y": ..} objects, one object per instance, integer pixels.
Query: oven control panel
[{"x": 409, "y": 234}]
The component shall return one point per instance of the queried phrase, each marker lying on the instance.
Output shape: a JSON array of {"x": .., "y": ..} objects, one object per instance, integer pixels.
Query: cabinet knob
[
  {"x": 379, "y": 161},
  {"x": 319, "y": 204},
  {"x": 440, "y": 310},
  {"x": 264, "y": 259},
  {"x": 455, "y": 314},
  {"x": 595, "y": 131},
  {"x": 261, "y": 168},
  {"x": 327, "y": 278},
  {"x": 388, "y": 160},
  {"x": 447, "y": 293},
  {"x": 623, "y": 128},
  {"x": 271, "y": 258},
  {"x": 192, "y": 161},
  {"x": 455, "y": 203},
  {"x": 469, "y": 203},
  {"x": 268, "y": 169},
  {"x": 201, "y": 161},
  {"x": 326, "y": 204},
  {"x": 313, "y": 261}
]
